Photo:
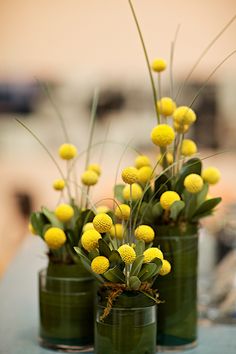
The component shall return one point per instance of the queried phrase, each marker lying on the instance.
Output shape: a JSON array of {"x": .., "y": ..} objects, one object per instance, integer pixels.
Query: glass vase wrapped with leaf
[
  {"x": 66, "y": 288},
  {"x": 126, "y": 265}
]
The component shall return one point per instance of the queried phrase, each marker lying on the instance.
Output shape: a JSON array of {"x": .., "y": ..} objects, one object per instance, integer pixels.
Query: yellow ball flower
[
  {"x": 67, "y": 151},
  {"x": 184, "y": 115},
  {"x": 188, "y": 147},
  {"x": 89, "y": 178},
  {"x": 95, "y": 168},
  {"x": 102, "y": 222},
  {"x": 122, "y": 211},
  {"x": 102, "y": 209},
  {"x": 181, "y": 128},
  {"x": 193, "y": 183},
  {"x": 211, "y": 175},
  {"x": 64, "y": 212},
  {"x": 169, "y": 157},
  {"x": 89, "y": 240},
  {"x": 130, "y": 175},
  {"x": 142, "y": 161},
  {"x": 162, "y": 135},
  {"x": 145, "y": 174},
  {"x": 117, "y": 231},
  {"x": 127, "y": 254},
  {"x": 145, "y": 233},
  {"x": 55, "y": 238},
  {"x": 166, "y": 267},
  {"x": 152, "y": 253},
  {"x": 59, "y": 184},
  {"x": 158, "y": 65},
  {"x": 88, "y": 226},
  {"x": 166, "y": 106},
  {"x": 31, "y": 229},
  {"x": 168, "y": 198},
  {"x": 100, "y": 264},
  {"x": 137, "y": 192}
]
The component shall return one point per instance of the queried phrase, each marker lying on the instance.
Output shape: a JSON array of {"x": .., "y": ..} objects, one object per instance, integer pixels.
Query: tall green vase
[
  {"x": 66, "y": 300},
  {"x": 130, "y": 328},
  {"x": 177, "y": 316}
]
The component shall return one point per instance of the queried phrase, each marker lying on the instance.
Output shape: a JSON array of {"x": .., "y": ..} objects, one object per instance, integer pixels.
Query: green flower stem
[
  {"x": 164, "y": 157},
  {"x": 87, "y": 197},
  {"x": 159, "y": 85},
  {"x": 172, "y": 51},
  {"x": 130, "y": 218},
  {"x": 92, "y": 126},
  {"x": 127, "y": 274},
  {"x": 147, "y": 60}
]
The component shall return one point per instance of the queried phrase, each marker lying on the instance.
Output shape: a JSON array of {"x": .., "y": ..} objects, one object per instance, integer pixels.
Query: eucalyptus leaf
[
  {"x": 38, "y": 222},
  {"x": 193, "y": 165},
  {"x": 52, "y": 218},
  {"x": 157, "y": 210},
  {"x": 140, "y": 247},
  {"x": 118, "y": 189},
  {"x": 176, "y": 209},
  {"x": 104, "y": 249},
  {"x": 201, "y": 196},
  {"x": 207, "y": 206},
  {"x": 136, "y": 266},
  {"x": 134, "y": 282},
  {"x": 115, "y": 258},
  {"x": 93, "y": 254},
  {"x": 148, "y": 271},
  {"x": 162, "y": 184},
  {"x": 158, "y": 263},
  {"x": 115, "y": 275}
]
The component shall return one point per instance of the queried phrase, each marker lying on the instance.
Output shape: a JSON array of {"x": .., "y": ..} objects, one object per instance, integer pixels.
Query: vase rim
[{"x": 43, "y": 272}]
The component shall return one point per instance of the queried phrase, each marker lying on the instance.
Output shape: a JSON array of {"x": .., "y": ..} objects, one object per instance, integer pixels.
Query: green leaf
[
  {"x": 157, "y": 210},
  {"x": 201, "y": 196},
  {"x": 38, "y": 222},
  {"x": 191, "y": 166},
  {"x": 147, "y": 271},
  {"x": 52, "y": 218},
  {"x": 115, "y": 259},
  {"x": 176, "y": 208},
  {"x": 191, "y": 205},
  {"x": 137, "y": 265},
  {"x": 83, "y": 218},
  {"x": 140, "y": 247},
  {"x": 162, "y": 184},
  {"x": 145, "y": 214},
  {"x": 158, "y": 263},
  {"x": 134, "y": 282},
  {"x": 115, "y": 275},
  {"x": 207, "y": 206},
  {"x": 104, "y": 249},
  {"x": 93, "y": 254},
  {"x": 118, "y": 189}
]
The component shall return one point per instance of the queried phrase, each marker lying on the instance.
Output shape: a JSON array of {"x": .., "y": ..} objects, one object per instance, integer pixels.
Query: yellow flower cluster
[
  {"x": 64, "y": 212},
  {"x": 152, "y": 253},
  {"x": 89, "y": 178},
  {"x": 188, "y": 147},
  {"x": 100, "y": 264},
  {"x": 145, "y": 233},
  {"x": 102, "y": 222},
  {"x": 145, "y": 174},
  {"x": 168, "y": 198},
  {"x": 130, "y": 175},
  {"x": 166, "y": 106},
  {"x": 141, "y": 161},
  {"x": 122, "y": 212},
  {"x": 59, "y": 184},
  {"x": 158, "y": 65},
  {"x": 89, "y": 240},
  {"x": 211, "y": 175},
  {"x": 169, "y": 158},
  {"x": 193, "y": 183},
  {"x": 136, "y": 192},
  {"x": 162, "y": 135},
  {"x": 55, "y": 237},
  {"x": 117, "y": 231},
  {"x": 127, "y": 254},
  {"x": 166, "y": 268},
  {"x": 67, "y": 151}
]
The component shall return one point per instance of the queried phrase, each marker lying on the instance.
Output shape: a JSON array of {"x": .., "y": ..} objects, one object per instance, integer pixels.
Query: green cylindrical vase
[
  {"x": 177, "y": 315},
  {"x": 66, "y": 302},
  {"x": 130, "y": 327}
]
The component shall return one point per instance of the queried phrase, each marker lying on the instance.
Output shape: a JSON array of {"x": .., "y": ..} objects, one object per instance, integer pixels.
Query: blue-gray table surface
[{"x": 19, "y": 309}]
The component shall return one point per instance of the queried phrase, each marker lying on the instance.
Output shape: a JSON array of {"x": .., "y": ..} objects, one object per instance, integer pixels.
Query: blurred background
[{"x": 75, "y": 47}]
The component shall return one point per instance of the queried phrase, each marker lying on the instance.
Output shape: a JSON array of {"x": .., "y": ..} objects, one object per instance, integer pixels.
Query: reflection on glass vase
[
  {"x": 130, "y": 327},
  {"x": 177, "y": 315},
  {"x": 66, "y": 301}
]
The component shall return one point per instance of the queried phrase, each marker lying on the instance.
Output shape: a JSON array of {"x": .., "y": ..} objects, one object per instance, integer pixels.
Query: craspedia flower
[
  {"x": 129, "y": 175},
  {"x": 168, "y": 198},
  {"x": 145, "y": 233},
  {"x": 117, "y": 231},
  {"x": 100, "y": 265},
  {"x": 193, "y": 183},
  {"x": 145, "y": 174},
  {"x": 127, "y": 253},
  {"x": 88, "y": 226},
  {"x": 188, "y": 147},
  {"x": 95, "y": 168},
  {"x": 169, "y": 158},
  {"x": 166, "y": 106},
  {"x": 141, "y": 161},
  {"x": 89, "y": 240},
  {"x": 64, "y": 212},
  {"x": 152, "y": 253},
  {"x": 89, "y": 178},
  {"x": 162, "y": 135},
  {"x": 136, "y": 191},
  {"x": 102, "y": 222},
  {"x": 158, "y": 65},
  {"x": 166, "y": 267},
  {"x": 122, "y": 211},
  {"x": 31, "y": 229},
  {"x": 102, "y": 209},
  {"x": 55, "y": 237},
  {"x": 211, "y": 175},
  {"x": 184, "y": 115},
  {"x": 59, "y": 184},
  {"x": 181, "y": 128},
  {"x": 67, "y": 151}
]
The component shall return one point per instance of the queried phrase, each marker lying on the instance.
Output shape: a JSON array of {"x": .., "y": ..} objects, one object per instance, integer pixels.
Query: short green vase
[
  {"x": 66, "y": 302},
  {"x": 177, "y": 315},
  {"x": 130, "y": 327}
]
